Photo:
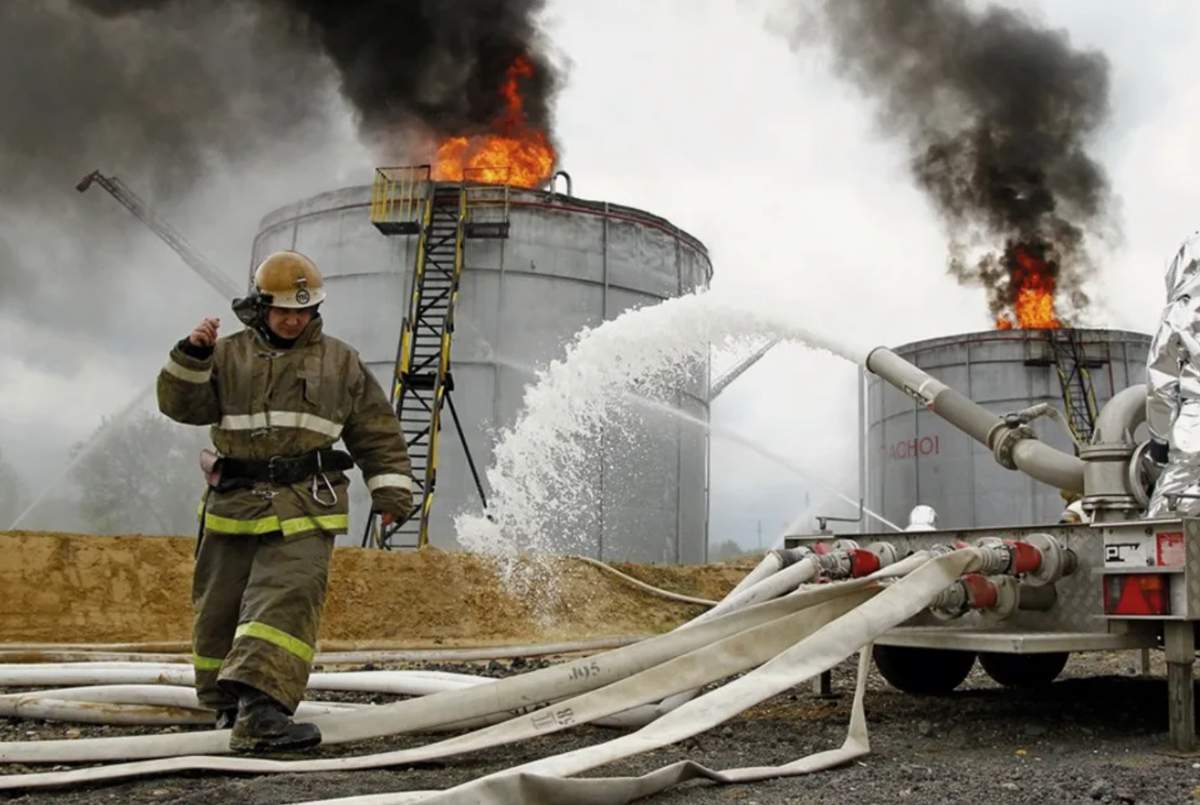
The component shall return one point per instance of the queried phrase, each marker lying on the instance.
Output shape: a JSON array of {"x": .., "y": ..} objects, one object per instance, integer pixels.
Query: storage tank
[
  {"x": 913, "y": 457},
  {"x": 566, "y": 264}
]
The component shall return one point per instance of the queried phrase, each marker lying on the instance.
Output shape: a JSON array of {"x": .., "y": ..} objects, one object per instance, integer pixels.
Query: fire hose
[{"x": 777, "y": 643}]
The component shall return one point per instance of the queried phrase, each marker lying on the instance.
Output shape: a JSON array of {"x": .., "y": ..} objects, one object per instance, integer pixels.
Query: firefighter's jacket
[
  {"x": 263, "y": 402},
  {"x": 1173, "y": 387}
]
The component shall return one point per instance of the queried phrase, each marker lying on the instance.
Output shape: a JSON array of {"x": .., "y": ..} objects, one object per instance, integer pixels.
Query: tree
[
  {"x": 141, "y": 476},
  {"x": 14, "y": 494}
]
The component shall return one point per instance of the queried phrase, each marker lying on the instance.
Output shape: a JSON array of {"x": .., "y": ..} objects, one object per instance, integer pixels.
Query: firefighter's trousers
[{"x": 257, "y": 602}]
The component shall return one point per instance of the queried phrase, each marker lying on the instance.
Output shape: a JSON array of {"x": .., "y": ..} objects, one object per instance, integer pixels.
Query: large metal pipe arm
[
  {"x": 1015, "y": 446},
  {"x": 722, "y": 382}
]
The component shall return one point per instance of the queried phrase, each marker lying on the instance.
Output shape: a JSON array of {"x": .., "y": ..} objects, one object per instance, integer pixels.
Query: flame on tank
[
  {"x": 1032, "y": 281},
  {"x": 513, "y": 153}
]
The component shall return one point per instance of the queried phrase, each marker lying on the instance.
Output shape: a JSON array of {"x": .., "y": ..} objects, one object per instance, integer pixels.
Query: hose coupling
[
  {"x": 835, "y": 565},
  {"x": 994, "y": 597},
  {"x": 1040, "y": 558},
  {"x": 790, "y": 556}
]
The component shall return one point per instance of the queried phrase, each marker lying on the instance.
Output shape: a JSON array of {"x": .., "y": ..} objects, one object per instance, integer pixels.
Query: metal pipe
[
  {"x": 1121, "y": 416},
  {"x": 554, "y": 183},
  {"x": 1050, "y": 466},
  {"x": 1013, "y": 447}
]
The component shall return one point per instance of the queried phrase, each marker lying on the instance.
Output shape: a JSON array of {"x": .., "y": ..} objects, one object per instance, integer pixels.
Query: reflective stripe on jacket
[{"x": 263, "y": 402}]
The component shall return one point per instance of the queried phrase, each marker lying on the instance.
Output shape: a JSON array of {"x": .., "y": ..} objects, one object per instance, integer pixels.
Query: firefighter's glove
[
  {"x": 1158, "y": 451},
  {"x": 389, "y": 519}
]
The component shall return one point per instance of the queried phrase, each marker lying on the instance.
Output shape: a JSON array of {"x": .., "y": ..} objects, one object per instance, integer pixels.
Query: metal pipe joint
[
  {"x": 1015, "y": 445},
  {"x": 1039, "y": 559}
]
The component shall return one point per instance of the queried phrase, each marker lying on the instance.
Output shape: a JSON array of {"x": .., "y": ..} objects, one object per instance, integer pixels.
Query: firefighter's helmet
[{"x": 291, "y": 279}]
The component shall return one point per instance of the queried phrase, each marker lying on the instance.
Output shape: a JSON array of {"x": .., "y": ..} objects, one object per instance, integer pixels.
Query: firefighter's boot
[{"x": 264, "y": 725}]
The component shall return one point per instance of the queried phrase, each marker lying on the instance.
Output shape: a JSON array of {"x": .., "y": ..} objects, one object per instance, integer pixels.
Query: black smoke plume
[
  {"x": 163, "y": 93},
  {"x": 997, "y": 114},
  {"x": 438, "y": 64}
]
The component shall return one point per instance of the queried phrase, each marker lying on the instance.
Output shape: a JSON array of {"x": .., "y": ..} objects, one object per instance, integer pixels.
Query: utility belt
[
  {"x": 227, "y": 474},
  {"x": 285, "y": 469}
]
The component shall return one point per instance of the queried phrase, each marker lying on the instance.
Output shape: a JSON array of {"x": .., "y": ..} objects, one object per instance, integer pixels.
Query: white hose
[
  {"x": 548, "y": 780},
  {"x": 772, "y": 586},
  {"x": 509, "y": 651},
  {"x": 715, "y": 661},
  {"x": 365, "y": 683},
  {"x": 661, "y": 593},
  {"x": 769, "y": 587},
  {"x": 771, "y": 563},
  {"x": 408, "y": 683},
  {"x": 830, "y": 622},
  {"x": 511, "y": 695},
  {"x": 788, "y": 581},
  {"x": 53, "y": 707}
]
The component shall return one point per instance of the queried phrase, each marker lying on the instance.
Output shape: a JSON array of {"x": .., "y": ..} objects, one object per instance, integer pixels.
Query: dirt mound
[{"x": 71, "y": 588}]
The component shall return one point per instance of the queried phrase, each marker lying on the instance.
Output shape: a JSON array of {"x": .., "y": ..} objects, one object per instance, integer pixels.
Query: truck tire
[
  {"x": 1024, "y": 670},
  {"x": 923, "y": 671}
]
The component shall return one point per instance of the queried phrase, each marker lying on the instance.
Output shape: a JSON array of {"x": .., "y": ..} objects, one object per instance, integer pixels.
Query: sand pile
[{"x": 71, "y": 588}]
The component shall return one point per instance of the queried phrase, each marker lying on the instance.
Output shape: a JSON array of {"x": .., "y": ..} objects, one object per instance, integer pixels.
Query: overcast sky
[{"x": 693, "y": 109}]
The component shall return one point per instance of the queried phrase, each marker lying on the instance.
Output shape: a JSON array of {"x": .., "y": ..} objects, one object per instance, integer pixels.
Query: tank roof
[
  {"x": 1092, "y": 334},
  {"x": 353, "y": 196}
]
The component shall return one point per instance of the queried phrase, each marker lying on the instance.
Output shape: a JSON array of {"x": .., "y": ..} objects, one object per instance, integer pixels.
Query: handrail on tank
[{"x": 1014, "y": 447}]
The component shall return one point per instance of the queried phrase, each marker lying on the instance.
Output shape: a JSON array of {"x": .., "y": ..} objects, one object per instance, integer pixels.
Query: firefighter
[
  {"x": 278, "y": 395},
  {"x": 1173, "y": 389}
]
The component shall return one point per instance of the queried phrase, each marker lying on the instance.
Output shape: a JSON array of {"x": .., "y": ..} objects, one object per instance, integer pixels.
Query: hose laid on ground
[
  {"x": 509, "y": 695},
  {"x": 549, "y": 780},
  {"x": 508, "y": 651},
  {"x": 769, "y": 587},
  {"x": 534, "y": 788},
  {"x": 128, "y": 704},
  {"x": 641, "y": 585},
  {"x": 406, "y": 683},
  {"x": 718, "y": 660},
  {"x": 779, "y": 644}
]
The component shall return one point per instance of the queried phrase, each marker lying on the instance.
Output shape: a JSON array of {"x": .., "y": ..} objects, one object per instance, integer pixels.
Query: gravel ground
[{"x": 1098, "y": 735}]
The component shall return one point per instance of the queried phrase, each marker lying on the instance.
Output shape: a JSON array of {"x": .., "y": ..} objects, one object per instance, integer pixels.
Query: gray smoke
[
  {"x": 160, "y": 97},
  {"x": 161, "y": 101},
  {"x": 165, "y": 94},
  {"x": 997, "y": 114}
]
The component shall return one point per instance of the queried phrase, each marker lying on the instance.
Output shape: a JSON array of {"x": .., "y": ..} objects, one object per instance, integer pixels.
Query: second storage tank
[
  {"x": 567, "y": 263},
  {"x": 912, "y": 457}
]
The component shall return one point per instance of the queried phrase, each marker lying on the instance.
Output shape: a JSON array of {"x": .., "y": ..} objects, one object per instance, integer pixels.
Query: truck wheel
[
  {"x": 1024, "y": 670},
  {"x": 924, "y": 671}
]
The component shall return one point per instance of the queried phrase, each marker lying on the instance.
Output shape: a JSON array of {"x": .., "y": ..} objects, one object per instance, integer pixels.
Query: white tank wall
[
  {"x": 567, "y": 264},
  {"x": 914, "y": 457}
]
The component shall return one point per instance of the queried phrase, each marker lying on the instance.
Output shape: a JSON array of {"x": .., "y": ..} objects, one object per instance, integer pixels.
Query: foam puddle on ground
[{"x": 543, "y": 495}]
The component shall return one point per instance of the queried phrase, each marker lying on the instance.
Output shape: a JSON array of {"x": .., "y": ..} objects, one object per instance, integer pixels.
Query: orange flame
[
  {"x": 515, "y": 154},
  {"x": 1034, "y": 298}
]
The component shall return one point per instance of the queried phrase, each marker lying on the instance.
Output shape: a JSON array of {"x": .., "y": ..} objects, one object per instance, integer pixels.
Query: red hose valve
[
  {"x": 981, "y": 593},
  {"x": 1025, "y": 557},
  {"x": 862, "y": 563}
]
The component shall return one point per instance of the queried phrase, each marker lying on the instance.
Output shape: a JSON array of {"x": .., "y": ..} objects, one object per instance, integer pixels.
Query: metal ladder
[
  {"x": 443, "y": 216},
  {"x": 1075, "y": 379}
]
